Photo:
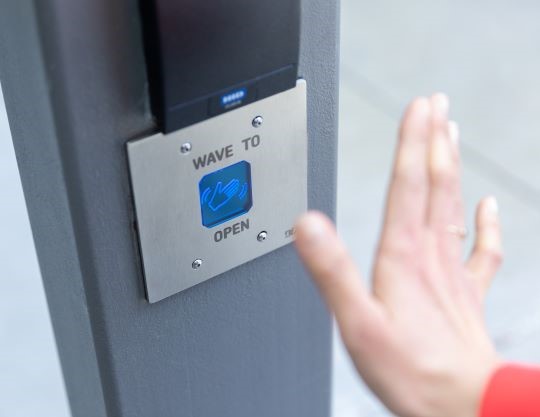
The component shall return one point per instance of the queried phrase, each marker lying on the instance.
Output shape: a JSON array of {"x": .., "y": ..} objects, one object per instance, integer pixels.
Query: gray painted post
[{"x": 255, "y": 341}]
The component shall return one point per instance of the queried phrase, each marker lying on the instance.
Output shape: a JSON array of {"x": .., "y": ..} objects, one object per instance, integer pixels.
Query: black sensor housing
[{"x": 206, "y": 57}]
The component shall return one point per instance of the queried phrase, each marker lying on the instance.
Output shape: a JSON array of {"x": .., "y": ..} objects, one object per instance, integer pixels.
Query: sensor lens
[{"x": 225, "y": 194}]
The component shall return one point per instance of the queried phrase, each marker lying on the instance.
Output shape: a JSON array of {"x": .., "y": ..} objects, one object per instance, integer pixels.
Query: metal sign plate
[{"x": 219, "y": 193}]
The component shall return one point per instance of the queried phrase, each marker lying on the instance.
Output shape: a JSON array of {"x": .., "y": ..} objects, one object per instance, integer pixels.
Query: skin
[{"x": 418, "y": 337}]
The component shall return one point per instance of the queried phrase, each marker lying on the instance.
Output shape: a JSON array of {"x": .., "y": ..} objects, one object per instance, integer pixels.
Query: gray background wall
[{"x": 484, "y": 54}]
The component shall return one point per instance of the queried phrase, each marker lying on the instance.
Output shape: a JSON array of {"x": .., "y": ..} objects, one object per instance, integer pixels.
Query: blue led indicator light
[
  {"x": 225, "y": 194},
  {"x": 233, "y": 98}
]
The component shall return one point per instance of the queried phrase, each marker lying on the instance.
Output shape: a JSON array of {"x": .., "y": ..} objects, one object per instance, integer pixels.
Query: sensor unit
[
  {"x": 208, "y": 57},
  {"x": 219, "y": 193}
]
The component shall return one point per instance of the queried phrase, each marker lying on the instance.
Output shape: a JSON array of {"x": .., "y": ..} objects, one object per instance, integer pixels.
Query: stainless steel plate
[{"x": 178, "y": 251}]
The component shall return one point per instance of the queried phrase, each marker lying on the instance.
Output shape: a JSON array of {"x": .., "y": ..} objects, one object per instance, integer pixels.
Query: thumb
[{"x": 334, "y": 272}]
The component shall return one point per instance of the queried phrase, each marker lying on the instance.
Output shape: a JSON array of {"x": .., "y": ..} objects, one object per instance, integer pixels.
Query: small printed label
[
  {"x": 290, "y": 233},
  {"x": 213, "y": 157},
  {"x": 252, "y": 142},
  {"x": 232, "y": 230},
  {"x": 226, "y": 152}
]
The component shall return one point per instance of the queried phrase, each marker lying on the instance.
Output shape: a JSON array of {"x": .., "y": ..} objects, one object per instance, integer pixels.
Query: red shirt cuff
[{"x": 513, "y": 391}]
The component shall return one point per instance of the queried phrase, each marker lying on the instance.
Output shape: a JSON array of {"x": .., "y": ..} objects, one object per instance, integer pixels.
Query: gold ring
[{"x": 459, "y": 231}]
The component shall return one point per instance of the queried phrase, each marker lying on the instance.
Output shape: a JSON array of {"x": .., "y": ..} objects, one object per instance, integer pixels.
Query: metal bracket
[{"x": 219, "y": 193}]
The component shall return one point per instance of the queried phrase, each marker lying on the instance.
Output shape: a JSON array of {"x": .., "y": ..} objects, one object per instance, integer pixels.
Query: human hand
[{"x": 418, "y": 338}]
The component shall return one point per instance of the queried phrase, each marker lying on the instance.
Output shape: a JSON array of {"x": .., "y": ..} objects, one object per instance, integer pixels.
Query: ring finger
[{"x": 445, "y": 211}]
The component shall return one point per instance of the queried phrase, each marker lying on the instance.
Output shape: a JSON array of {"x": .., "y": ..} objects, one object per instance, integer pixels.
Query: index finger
[{"x": 333, "y": 270}]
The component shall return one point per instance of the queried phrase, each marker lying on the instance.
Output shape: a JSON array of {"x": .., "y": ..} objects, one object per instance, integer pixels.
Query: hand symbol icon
[
  {"x": 221, "y": 195},
  {"x": 225, "y": 194}
]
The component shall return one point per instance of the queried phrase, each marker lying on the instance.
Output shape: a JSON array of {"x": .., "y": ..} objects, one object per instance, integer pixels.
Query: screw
[
  {"x": 185, "y": 148},
  {"x": 257, "y": 121},
  {"x": 261, "y": 237},
  {"x": 197, "y": 263}
]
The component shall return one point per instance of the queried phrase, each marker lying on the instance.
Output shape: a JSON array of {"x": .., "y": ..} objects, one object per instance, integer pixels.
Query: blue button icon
[{"x": 225, "y": 194}]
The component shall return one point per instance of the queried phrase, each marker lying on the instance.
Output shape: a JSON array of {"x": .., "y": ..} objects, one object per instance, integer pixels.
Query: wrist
[
  {"x": 485, "y": 378},
  {"x": 512, "y": 390}
]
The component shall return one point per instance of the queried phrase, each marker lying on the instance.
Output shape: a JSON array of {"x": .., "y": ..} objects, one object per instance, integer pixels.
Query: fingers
[
  {"x": 337, "y": 277},
  {"x": 453, "y": 132},
  {"x": 445, "y": 207},
  {"x": 486, "y": 256},
  {"x": 408, "y": 191},
  {"x": 231, "y": 188}
]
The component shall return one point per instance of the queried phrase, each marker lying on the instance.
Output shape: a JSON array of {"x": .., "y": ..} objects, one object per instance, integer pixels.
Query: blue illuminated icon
[
  {"x": 233, "y": 98},
  {"x": 225, "y": 194}
]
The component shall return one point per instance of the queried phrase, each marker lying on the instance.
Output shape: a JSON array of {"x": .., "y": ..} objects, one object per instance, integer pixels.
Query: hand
[
  {"x": 418, "y": 338},
  {"x": 221, "y": 195}
]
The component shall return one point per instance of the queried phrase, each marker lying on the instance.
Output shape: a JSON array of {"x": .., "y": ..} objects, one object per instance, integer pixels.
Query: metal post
[{"x": 253, "y": 342}]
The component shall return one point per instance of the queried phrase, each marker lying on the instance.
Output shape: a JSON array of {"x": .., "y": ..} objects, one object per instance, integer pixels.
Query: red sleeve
[{"x": 513, "y": 391}]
